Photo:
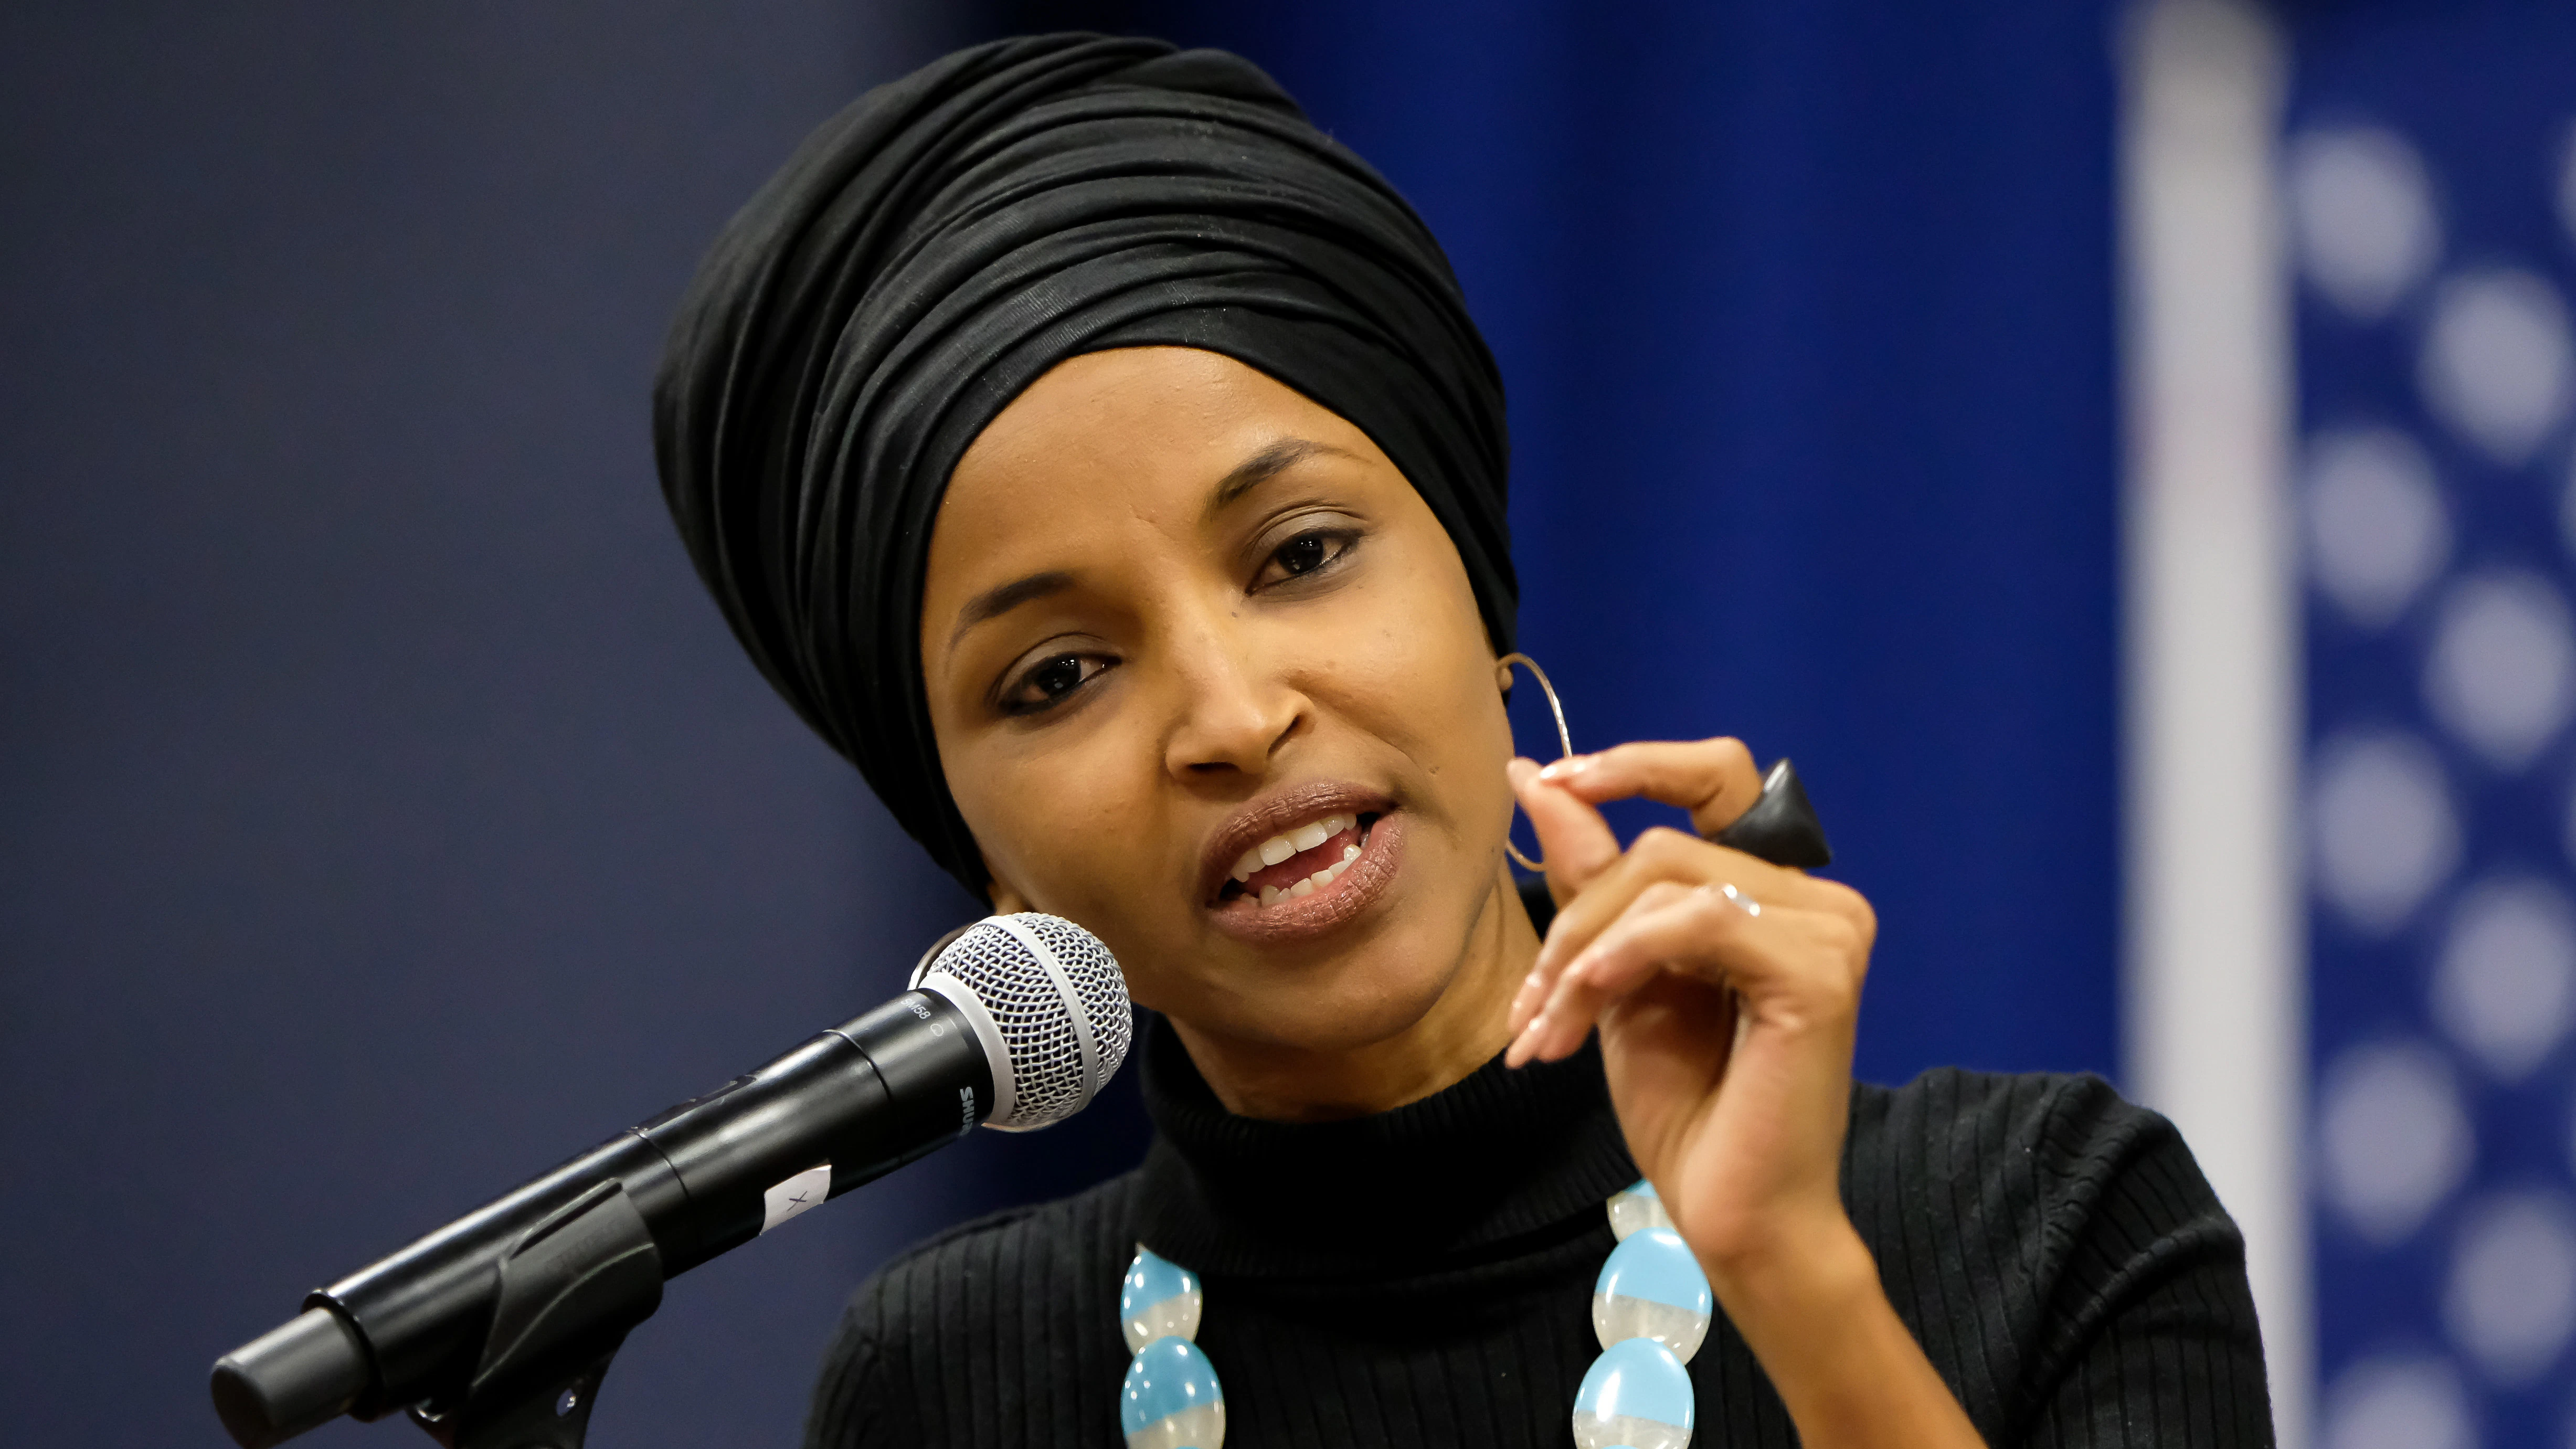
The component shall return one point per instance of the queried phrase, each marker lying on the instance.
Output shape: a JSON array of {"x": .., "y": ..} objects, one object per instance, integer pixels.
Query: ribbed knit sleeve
[
  {"x": 2061, "y": 1259},
  {"x": 2151, "y": 1336}
]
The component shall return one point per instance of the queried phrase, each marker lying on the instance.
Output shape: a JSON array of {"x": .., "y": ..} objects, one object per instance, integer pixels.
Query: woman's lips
[{"x": 1356, "y": 884}]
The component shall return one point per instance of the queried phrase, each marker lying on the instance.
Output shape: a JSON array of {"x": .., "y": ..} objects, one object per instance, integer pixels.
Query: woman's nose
[{"x": 1231, "y": 714}]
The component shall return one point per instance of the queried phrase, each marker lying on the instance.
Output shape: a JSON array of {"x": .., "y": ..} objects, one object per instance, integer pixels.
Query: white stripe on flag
[{"x": 2214, "y": 1012}]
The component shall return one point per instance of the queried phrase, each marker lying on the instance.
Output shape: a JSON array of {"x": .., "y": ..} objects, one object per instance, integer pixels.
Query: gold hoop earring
[{"x": 1564, "y": 740}]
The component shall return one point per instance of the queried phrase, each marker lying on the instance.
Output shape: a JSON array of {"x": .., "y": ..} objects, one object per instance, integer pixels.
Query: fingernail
[
  {"x": 1560, "y": 769},
  {"x": 1530, "y": 986},
  {"x": 1519, "y": 1051},
  {"x": 1519, "y": 771}
]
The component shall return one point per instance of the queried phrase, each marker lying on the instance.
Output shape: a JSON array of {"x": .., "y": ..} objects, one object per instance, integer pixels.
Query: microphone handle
[{"x": 866, "y": 1097}]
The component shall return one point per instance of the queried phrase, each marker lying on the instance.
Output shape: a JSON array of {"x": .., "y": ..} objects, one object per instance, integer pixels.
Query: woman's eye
[
  {"x": 1302, "y": 554},
  {"x": 1052, "y": 680},
  {"x": 1306, "y": 553}
]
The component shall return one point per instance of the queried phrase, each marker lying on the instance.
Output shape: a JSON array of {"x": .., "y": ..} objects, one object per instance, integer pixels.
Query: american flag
[
  {"x": 2428, "y": 171},
  {"x": 2394, "y": 186}
]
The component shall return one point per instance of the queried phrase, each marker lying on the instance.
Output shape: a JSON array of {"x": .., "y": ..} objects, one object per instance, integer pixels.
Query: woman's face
[{"x": 1208, "y": 678}]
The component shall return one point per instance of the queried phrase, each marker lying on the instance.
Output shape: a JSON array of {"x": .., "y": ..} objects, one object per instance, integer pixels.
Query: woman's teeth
[
  {"x": 1279, "y": 847},
  {"x": 1273, "y": 895},
  {"x": 1304, "y": 838}
]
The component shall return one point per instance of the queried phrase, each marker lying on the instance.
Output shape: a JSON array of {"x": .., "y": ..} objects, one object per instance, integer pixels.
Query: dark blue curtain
[{"x": 1806, "y": 316}]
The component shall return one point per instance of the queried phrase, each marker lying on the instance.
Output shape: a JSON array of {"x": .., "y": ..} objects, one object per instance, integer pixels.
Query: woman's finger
[
  {"x": 1695, "y": 930},
  {"x": 1705, "y": 933},
  {"x": 1595, "y": 883},
  {"x": 1669, "y": 855},
  {"x": 1715, "y": 780},
  {"x": 1658, "y": 856},
  {"x": 1807, "y": 964},
  {"x": 1574, "y": 841}
]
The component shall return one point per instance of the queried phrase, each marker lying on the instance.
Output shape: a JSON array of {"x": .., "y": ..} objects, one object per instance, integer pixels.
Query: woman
[{"x": 1104, "y": 460}]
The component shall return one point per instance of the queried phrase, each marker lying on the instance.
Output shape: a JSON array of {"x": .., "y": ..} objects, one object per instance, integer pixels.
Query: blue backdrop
[
  {"x": 1806, "y": 316},
  {"x": 389, "y": 814},
  {"x": 2431, "y": 164}
]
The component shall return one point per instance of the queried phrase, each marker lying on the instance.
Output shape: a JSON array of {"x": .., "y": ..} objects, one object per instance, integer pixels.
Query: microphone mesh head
[{"x": 1055, "y": 997}]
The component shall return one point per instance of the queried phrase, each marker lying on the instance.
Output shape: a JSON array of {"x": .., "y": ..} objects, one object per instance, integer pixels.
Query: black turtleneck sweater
[{"x": 1424, "y": 1277}]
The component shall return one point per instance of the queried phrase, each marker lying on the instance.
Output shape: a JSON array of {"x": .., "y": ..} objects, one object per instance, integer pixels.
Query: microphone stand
[{"x": 496, "y": 1330}]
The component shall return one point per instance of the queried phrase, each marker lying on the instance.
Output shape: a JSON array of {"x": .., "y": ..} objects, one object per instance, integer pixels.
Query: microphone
[{"x": 1015, "y": 1022}]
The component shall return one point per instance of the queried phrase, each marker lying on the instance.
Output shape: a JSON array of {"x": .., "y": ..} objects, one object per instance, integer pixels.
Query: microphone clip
[{"x": 570, "y": 1290}]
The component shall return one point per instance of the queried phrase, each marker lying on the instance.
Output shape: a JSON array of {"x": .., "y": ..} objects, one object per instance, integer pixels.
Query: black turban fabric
[{"x": 933, "y": 249}]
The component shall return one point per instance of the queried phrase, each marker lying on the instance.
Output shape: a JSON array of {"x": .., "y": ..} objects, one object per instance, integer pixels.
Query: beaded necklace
[{"x": 1651, "y": 1308}]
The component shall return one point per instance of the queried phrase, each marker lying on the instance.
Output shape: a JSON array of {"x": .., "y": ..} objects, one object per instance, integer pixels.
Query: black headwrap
[{"x": 934, "y": 248}]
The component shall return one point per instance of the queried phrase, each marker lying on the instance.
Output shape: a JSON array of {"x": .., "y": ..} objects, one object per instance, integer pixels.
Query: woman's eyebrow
[
  {"x": 1002, "y": 599},
  {"x": 1265, "y": 465},
  {"x": 1273, "y": 460}
]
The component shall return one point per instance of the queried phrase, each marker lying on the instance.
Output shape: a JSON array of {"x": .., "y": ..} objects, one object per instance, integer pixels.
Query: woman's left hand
[{"x": 1726, "y": 990}]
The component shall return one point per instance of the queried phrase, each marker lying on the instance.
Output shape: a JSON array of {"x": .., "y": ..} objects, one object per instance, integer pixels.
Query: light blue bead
[
  {"x": 1635, "y": 1393},
  {"x": 1637, "y": 1379},
  {"x": 1652, "y": 1287},
  {"x": 1635, "y": 1208},
  {"x": 1151, "y": 1278},
  {"x": 1158, "y": 1297},
  {"x": 1170, "y": 1376},
  {"x": 1658, "y": 1266}
]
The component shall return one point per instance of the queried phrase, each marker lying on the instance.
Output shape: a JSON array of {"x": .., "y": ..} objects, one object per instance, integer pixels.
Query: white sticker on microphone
[{"x": 805, "y": 1190}]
